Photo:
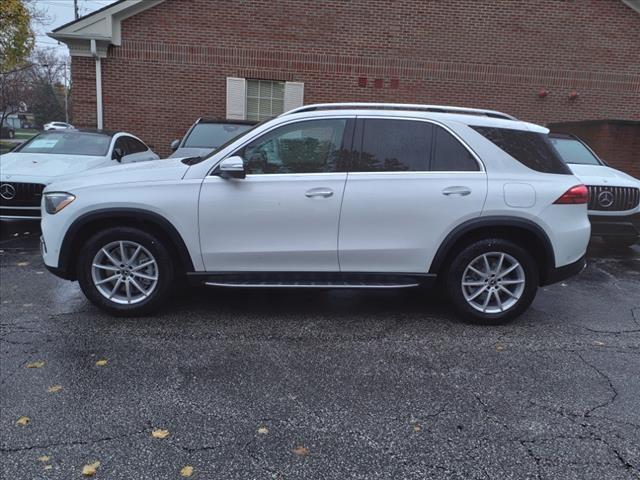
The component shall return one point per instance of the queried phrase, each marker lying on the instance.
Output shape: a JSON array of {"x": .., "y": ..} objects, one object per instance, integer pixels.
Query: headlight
[{"x": 56, "y": 201}]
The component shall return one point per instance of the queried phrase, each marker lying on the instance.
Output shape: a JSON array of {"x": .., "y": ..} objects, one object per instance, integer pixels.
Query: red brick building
[{"x": 163, "y": 63}]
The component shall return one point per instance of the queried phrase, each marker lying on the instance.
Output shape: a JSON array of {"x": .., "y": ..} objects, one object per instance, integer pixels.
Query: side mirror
[
  {"x": 232, "y": 167},
  {"x": 118, "y": 153},
  {"x": 175, "y": 144}
]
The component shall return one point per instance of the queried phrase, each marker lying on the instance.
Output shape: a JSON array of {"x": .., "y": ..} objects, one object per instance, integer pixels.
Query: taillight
[{"x": 575, "y": 195}]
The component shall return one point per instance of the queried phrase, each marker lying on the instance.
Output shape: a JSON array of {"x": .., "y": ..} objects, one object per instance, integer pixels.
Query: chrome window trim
[{"x": 434, "y": 122}]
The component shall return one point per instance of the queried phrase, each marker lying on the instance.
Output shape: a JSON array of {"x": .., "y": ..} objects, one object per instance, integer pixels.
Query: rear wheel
[
  {"x": 125, "y": 271},
  {"x": 492, "y": 281}
]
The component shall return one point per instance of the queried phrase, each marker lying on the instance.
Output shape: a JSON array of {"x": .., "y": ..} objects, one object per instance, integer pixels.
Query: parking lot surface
[{"x": 319, "y": 384}]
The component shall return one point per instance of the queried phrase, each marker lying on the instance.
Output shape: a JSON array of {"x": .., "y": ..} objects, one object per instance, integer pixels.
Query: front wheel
[
  {"x": 125, "y": 271},
  {"x": 492, "y": 281}
]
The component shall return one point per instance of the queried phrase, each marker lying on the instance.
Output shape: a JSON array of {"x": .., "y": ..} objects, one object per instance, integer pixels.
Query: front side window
[
  {"x": 303, "y": 147},
  {"x": 390, "y": 145},
  {"x": 68, "y": 143},
  {"x": 265, "y": 99},
  {"x": 573, "y": 151},
  {"x": 135, "y": 146},
  {"x": 532, "y": 149}
]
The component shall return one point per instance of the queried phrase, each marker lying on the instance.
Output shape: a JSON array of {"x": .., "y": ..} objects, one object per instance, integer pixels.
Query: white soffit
[{"x": 103, "y": 25}]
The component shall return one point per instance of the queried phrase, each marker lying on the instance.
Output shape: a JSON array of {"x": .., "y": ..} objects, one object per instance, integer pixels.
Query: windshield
[
  {"x": 68, "y": 143},
  {"x": 212, "y": 135},
  {"x": 573, "y": 151}
]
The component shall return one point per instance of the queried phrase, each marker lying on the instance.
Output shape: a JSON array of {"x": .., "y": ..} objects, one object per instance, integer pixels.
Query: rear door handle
[
  {"x": 319, "y": 192},
  {"x": 462, "y": 191}
]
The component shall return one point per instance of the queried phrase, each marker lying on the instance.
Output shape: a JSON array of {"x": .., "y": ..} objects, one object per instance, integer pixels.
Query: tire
[
  {"x": 469, "y": 299},
  {"x": 143, "y": 284},
  {"x": 620, "y": 242}
]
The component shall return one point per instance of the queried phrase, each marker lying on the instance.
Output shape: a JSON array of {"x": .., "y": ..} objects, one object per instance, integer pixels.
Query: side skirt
[{"x": 311, "y": 279}]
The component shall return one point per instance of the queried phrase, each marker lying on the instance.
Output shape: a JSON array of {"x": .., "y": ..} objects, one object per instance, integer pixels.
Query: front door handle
[
  {"x": 319, "y": 192},
  {"x": 462, "y": 191}
]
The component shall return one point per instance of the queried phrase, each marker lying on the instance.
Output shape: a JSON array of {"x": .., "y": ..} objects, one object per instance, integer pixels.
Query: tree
[{"x": 16, "y": 34}]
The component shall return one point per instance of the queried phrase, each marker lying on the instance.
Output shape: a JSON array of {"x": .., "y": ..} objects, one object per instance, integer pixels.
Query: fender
[
  {"x": 494, "y": 221},
  {"x": 65, "y": 269}
]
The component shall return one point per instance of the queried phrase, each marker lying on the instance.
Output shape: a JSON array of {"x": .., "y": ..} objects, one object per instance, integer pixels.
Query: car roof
[
  {"x": 108, "y": 133},
  {"x": 438, "y": 113},
  {"x": 220, "y": 120}
]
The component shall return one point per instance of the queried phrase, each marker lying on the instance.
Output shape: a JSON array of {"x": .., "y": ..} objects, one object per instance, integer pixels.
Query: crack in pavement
[
  {"x": 609, "y": 382},
  {"x": 75, "y": 442}
]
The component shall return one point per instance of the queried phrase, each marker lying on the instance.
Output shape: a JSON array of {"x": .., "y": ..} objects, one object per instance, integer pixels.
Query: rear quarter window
[{"x": 532, "y": 149}]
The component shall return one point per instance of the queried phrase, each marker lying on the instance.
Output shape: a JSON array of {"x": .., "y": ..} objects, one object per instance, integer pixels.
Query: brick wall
[
  {"x": 172, "y": 65},
  {"x": 617, "y": 143}
]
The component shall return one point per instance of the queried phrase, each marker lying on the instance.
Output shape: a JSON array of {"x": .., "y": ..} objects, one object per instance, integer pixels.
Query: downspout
[{"x": 94, "y": 54}]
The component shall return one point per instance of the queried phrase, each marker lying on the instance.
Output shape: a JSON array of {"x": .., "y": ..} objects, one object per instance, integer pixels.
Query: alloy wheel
[
  {"x": 493, "y": 282},
  {"x": 124, "y": 272}
]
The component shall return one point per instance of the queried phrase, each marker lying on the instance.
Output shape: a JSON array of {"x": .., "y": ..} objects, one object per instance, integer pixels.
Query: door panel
[
  {"x": 271, "y": 222},
  {"x": 394, "y": 222},
  {"x": 284, "y": 215},
  {"x": 403, "y": 196}
]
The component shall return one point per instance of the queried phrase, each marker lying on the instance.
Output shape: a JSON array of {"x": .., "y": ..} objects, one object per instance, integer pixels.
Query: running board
[
  {"x": 309, "y": 285},
  {"x": 310, "y": 279}
]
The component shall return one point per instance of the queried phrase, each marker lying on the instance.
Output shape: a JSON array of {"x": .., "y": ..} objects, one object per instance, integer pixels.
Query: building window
[
  {"x": 265, "y": 99},
  {"x": 250, "y": 99}
]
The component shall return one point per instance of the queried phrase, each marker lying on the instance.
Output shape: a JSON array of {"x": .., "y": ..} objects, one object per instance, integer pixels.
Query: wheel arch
[
  {"x": 90, "y": 223},
  {"x": 521, "y": 230}
]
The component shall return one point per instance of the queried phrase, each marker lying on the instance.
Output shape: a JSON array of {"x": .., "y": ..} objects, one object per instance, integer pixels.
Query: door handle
[
  {"x": 462, "y": 191},
  {"x": 319, "y": 192}
]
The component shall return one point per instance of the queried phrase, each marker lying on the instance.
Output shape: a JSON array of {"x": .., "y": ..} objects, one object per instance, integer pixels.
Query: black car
[{"x": 206, "y": 135}]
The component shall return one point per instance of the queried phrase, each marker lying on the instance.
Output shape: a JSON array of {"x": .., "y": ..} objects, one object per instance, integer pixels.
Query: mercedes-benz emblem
[
  {"x": 605, "y": 199},
  {"x": 7, "y": 191}
]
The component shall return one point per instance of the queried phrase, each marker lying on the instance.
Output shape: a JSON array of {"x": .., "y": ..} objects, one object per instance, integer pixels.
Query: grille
[
  {"x": 24, "y": 194},
  {"x": 611, "y": 199}
]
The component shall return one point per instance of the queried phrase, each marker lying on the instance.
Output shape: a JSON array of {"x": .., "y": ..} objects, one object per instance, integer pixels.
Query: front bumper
[
  {"x": 559, "y": 274},
  {"x": 615, "y": 226},
  {"x": 19, "y": 213}
]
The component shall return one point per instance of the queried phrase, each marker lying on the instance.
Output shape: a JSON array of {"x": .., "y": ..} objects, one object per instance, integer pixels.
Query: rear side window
[
  {"x": 532, "y": 149},
  {"x": 449, "y": 155},
  {"x": 392, "y": 146}
]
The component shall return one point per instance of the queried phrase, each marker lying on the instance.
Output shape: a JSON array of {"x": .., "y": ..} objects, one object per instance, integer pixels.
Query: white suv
[{"x": 332, "y": 196}]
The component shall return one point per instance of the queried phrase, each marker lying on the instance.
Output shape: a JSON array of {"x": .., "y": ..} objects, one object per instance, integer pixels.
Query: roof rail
[{"x": 401, "y": 106}]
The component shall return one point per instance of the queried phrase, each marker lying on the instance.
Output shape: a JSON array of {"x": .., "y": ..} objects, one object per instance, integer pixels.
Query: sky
[{"x": 60, "y": 12}]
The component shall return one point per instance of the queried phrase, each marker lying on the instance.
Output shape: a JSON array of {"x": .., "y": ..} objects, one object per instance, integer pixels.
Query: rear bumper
[
  {"x": 558, "y": 274},
  {"x": 615, "y": 226}
]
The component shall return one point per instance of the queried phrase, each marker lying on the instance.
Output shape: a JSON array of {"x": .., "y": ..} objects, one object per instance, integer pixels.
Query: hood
[
  {"x": 602, "y": 175},
  {"x": 149, "y": 171},
  {"x": 191, "y": 152},
  {"x": 45, "y": 166}
]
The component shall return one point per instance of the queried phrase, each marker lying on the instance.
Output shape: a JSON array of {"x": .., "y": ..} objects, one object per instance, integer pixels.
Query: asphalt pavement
[{"x": 318, "y": 384}]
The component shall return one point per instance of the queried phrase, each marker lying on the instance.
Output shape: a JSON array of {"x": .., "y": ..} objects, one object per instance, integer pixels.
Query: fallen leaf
[
  {"x": 417, "y": 428},
  {"x": 90, "y": 469},
  {"x": 186, "y": 471},
  {"x": 22, "y": 264},
  {"x": 600, "y": 344},
  {"x": 160, "y": 433},
  {"x": 102, "y": 362},
  {"x": 54, "y": 388},
  {"x": 48, "y": 467},
  {"x": 500, "y": 348},
  {"x": 263, "y": 430},
  {"x": 23, "y": 421},
  {"x": 39, "y": 273},
  {"x": 301, "y": 451},
  {"x": 44, "y": 458},
  {"x": 37, "y": 364}
]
